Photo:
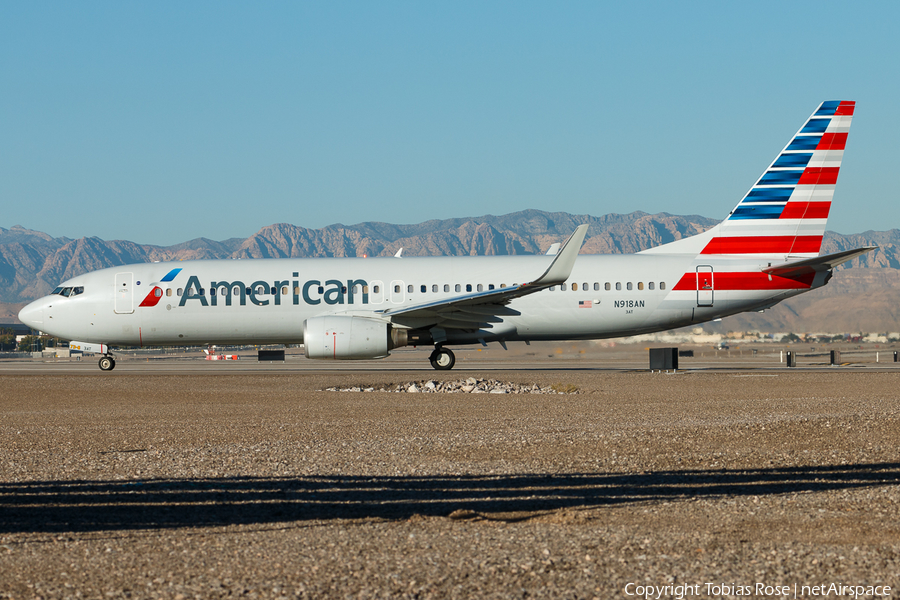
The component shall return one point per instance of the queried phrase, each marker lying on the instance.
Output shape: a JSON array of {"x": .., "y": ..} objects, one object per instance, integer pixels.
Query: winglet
[
  {"x": 561, "y": 267},
  {"x": 558, "y": 271}
]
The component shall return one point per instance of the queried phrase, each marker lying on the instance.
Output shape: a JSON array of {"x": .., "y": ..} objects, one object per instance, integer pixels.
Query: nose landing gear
[
  {"x": 442, "y": 359},
  {"x": 107, "y": 363}
]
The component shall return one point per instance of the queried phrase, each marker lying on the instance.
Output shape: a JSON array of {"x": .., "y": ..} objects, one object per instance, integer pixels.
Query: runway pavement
[{"x": 181, "y": 478}]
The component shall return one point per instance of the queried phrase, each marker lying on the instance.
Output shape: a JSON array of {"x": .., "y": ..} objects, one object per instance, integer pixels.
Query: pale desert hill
[
  {"x": 862, "y": 296},
  {"x": 854, "y": 301}
]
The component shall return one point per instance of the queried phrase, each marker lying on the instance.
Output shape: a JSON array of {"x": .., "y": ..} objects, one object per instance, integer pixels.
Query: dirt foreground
[{"x": 701, "y": 485}]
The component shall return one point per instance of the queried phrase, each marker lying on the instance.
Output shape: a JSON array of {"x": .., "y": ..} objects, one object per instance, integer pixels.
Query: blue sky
[{"x": 162, "y": 122}]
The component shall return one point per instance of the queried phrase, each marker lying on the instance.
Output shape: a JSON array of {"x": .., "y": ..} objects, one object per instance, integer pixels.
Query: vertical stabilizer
[{"x": 784, "y": 214}]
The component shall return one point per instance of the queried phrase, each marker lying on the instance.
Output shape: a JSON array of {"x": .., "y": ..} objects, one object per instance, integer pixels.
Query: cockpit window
[{"x": 68, "y": 291}]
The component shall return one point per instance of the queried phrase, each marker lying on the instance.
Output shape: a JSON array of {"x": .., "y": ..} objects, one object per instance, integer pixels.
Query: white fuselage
[{"x": 605, "y": 296}]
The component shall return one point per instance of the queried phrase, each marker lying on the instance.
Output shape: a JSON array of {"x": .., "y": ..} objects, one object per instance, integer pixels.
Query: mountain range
[{"x": 861, "y": 297}]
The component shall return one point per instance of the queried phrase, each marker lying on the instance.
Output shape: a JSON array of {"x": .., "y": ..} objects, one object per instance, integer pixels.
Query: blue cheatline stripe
[
  {"x": 827, "y": 108},
  {"x": 806, "y": 142},
  {"x": 815, "y": 126},
  {"x": 769, "y": 195},
  {"x": 780, "y": 178},
  {"x": 792, "y": 160},
  {"x": 171, "y": 275},
  {"x": 757, "y": 212}
]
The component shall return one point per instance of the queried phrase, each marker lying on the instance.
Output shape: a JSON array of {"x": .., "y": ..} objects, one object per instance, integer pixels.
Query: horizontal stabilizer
[{"x": 817, "y": 264}]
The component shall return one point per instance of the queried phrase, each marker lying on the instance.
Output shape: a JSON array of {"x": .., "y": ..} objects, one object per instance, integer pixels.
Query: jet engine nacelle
[{"x": 349, "y": 338}]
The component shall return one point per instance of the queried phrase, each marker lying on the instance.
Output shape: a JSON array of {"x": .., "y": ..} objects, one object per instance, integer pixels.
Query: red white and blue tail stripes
[{"x": 785, "y": 213}]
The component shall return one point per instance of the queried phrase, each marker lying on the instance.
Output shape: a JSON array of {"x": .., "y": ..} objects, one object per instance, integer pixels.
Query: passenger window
[
  {"x": 343, "y": 289},
  {"x": 321, "y": 289},
  {"x": 552, "y": 288},
  {"x": 376, "y": 289},
  {"x": 212, "y": 291},
  {"x": 284, "y": 290},
  {"x": 650, "y": 285},
  {"x": 409, "y": 289},
  {"x": 168, "y": 291},
  {"x": 606, "y": 286},
  {"x": 423, "y": 288},
  {"x": 618, "y": 286},
  {"x": 434, "y": 288},
  {"x": 662, "y": 285},
  {"x": 468, "y": 287},
  {"x": 596, "y": 287},
  {"x": 202, "y": 292},
  {"x": 640, "y": 285},
  {"x": 562, "y": 287},
  {"x": 502, "y": 285},
  {"x": 365, "y": 289},
  {"x": 456, "y": 287},
  {"x": 396, "y": 289},
  {"x": 178, "y": 293},
  {"x": 490, "y": 286},
  {"x": 480, "y": 288},
  {"x": 446, "y": 287},
  {"x": 574, "y": 287},
  {"x": 584, "y": 287},
  {"x": 628, "y": 285}
]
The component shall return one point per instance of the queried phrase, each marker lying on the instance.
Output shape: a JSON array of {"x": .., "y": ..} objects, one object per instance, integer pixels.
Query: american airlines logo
[{"x": 263, "y": 293}]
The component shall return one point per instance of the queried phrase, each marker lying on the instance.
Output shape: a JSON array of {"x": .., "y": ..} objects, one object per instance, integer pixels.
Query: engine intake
[{"x": 350, "y": 338}]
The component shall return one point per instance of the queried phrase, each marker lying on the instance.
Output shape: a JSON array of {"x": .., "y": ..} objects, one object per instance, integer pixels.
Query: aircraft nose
[{"x": 33, "y": 314}]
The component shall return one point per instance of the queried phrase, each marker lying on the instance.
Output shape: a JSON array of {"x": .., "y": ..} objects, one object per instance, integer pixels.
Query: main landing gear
[
  {"x": 107, "y": 363},
  {"x": 442, "y": 359}
]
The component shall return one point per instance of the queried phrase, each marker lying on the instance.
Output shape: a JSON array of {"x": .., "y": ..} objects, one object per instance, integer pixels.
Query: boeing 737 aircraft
[{"x": 766, "y": 250}]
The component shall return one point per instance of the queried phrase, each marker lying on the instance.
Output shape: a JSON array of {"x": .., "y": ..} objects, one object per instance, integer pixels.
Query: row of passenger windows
[
  {"x": 435, "y": 288},
  {"x": 651, "y": 285}
]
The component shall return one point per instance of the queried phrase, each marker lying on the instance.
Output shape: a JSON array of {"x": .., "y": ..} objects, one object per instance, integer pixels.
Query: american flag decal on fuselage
[{"x": 786, "y": 211}]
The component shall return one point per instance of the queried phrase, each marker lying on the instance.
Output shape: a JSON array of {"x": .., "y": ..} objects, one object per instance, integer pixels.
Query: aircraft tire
[
  {"x": 442, "y": 359},
  {"x": 107, "y": 363}
]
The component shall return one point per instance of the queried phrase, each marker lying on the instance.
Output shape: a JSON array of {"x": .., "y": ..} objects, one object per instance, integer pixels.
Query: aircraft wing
[
  {"x": 814, "y": 265},
  {"x": 479, "y": 309}
]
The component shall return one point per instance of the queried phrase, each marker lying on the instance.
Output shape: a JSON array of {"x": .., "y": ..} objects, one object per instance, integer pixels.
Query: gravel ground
[{"x": 149, "y": 485}]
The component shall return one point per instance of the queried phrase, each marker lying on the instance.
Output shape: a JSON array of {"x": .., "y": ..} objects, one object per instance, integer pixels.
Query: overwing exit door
[{"x": 705, "y": 286}]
